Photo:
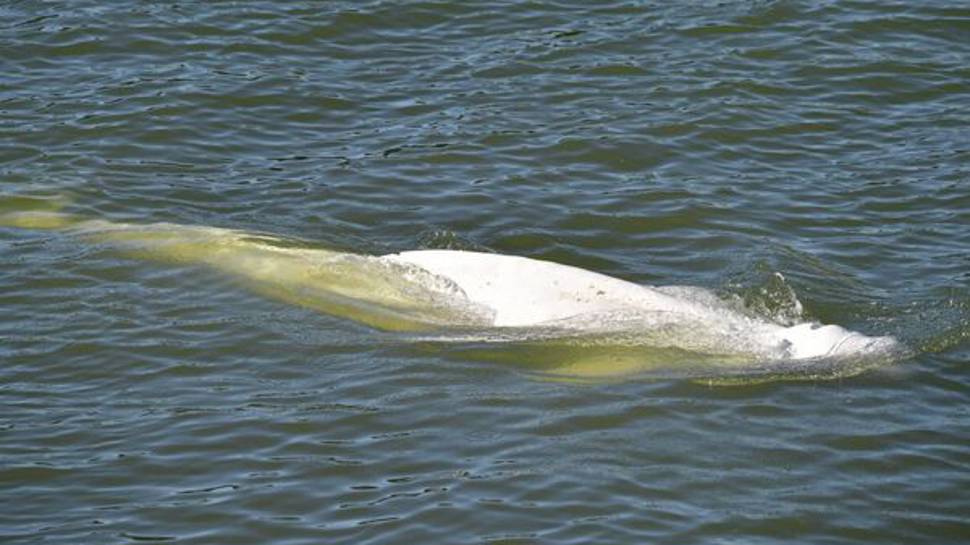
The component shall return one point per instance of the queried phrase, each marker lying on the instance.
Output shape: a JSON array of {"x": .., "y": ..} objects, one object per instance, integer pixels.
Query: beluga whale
[{"x": 564, "y": 320}]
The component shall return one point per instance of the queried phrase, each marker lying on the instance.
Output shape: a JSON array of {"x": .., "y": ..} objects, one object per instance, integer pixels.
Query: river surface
[{"x": 697, "y": 143}]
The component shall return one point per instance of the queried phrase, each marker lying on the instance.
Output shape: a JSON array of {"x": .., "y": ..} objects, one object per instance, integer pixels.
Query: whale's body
[{"x": 605, "y": 323}]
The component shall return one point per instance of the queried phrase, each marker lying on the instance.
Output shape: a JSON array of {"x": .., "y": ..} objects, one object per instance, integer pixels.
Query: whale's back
[{"x": 523, "y": 291}]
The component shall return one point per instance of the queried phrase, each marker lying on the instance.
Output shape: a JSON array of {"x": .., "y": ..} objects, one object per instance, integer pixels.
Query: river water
[{"x": 697, "y": 143}]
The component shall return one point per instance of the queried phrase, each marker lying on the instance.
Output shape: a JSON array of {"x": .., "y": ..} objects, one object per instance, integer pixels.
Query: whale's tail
[{"x": 35, "y": 212}]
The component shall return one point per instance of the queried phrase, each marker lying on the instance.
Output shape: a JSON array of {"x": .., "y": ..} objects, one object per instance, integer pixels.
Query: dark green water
[{"x": 703, "y": 143}]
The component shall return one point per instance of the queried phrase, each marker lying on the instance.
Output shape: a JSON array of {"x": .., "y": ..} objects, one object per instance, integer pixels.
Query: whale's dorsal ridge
[{"x": 525, "y": 292}]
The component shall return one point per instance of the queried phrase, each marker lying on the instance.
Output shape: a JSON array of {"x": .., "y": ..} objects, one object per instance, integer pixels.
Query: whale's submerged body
[{"x": 581, "y": 322}]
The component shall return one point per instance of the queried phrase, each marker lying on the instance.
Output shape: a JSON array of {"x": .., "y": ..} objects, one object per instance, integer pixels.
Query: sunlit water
[{"x": 695, "y": 143}]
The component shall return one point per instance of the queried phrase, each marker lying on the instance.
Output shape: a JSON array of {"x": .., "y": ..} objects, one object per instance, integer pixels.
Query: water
[{"x": 695, "y": 143}]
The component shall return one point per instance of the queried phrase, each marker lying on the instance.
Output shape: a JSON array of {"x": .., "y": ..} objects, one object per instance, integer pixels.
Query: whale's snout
[
  {"x": 806, "y": 341},
  {"x": 858, "y": 344}
]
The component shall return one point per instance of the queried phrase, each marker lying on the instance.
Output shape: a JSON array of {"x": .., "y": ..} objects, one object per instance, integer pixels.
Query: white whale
[{"x": 609, "y": 325}]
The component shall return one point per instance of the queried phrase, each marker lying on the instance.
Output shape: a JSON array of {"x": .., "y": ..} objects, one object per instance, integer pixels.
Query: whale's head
[{"x": 812, "y": 340}]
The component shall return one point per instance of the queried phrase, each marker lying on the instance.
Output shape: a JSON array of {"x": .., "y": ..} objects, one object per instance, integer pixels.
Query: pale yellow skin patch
[{"x": 365, "y": 289}]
